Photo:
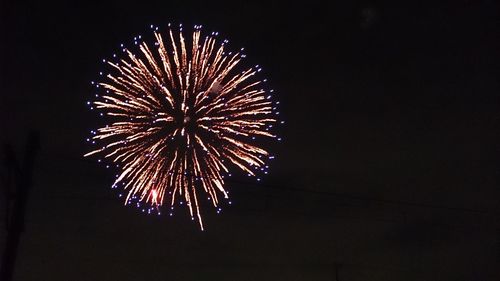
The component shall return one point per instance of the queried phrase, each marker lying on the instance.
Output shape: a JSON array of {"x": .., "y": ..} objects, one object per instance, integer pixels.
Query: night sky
[{"x": 388, "y": 168}]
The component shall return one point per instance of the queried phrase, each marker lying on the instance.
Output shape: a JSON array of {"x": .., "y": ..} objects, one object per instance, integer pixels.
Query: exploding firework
[{"x": 180, "y": 113}]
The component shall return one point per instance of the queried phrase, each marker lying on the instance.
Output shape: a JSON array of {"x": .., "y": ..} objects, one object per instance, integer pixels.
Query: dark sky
[{"x": 388, "y": 167}]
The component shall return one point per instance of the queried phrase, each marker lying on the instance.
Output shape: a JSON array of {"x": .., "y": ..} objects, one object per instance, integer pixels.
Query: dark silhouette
[{"x": 17, "y": 184}]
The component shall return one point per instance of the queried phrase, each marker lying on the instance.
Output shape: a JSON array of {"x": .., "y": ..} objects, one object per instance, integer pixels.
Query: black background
[{"x": 387, "y": 170}]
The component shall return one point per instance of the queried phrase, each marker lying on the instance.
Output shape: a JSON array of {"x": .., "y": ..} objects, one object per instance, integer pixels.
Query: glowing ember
[{"x": 181, "y": 114}]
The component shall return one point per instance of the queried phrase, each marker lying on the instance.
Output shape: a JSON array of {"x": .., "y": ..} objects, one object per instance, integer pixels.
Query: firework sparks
[{"x": 181, "y": 113}]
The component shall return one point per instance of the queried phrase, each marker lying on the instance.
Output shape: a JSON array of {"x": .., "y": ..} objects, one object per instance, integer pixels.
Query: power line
[{"x": 341, "y": 195}]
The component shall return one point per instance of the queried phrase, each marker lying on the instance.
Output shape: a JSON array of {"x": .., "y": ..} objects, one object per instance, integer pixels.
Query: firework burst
[{"x": 181, "y": 112}]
